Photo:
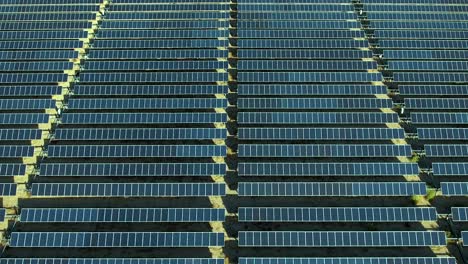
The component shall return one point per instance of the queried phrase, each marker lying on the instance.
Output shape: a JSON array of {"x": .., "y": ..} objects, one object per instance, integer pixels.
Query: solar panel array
[
  {"x": 158, "y": 78},
  {"x": 213, "y": 131}
]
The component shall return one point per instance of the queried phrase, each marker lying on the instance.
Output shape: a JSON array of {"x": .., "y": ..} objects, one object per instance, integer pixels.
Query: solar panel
[
  {"x": 460, "y": 214},
  {"x": 337, "y": 214},
  {"x": 116, "y": 239},
  {"x": 464, "y": 236},
  {"x": 416, "y": 8},
  {"x": 149, "y": 89},
  {"x": 425, "y": 54},
  {"x": 32, "y": 78},
  {"x": 282, "y": 7},
  {"x": 41, "y": 45},
  {"x": 35, "y": 66},
  {"x": 128, "y": 189},
  {"x": 436, "y": 103},
  {"x": 24, "y": 119},
  {"x": 302, "y": 43},
  {"x": 442, "y": 133},
  {"x": 446, "y": 150},
  {"x": 119, "y": 261},
  {"x": 427, "y": 65},
  {"x": 332, "y": 188},
  {"x": 132, "y": 169},
  {"x": 420, "y": 34},
  {"x": 154, "y": 65},
  {"x": 147, "y": 103},
  {"x": 341, "y": 238},
  {"x": 275, "y": 33},
  {"x": 26, "y": 104},
  {"x": 141, "y": 133},
  {"x": 156, "y": 44},
  {"x": 36, "y": 90},
  {"x": 290, "y": 65},
  {"x": 433, "y": 25},
  {"x": 327, "y": 169},
  {"x": 11, "y": 151},
  {"x": 147, "y": 77},
  {"x": 47, "y": 17},
  {"x": 321, "y": 150},
  {"x": 409, "y": 1},
  {"x": 143, "y": 118},
  {"x": 418, "y": 16},
  {"x": 313, "y": 103},
  {"x": 7, "y": 189},
  {"x": 20, "y": 134},
  {"x": 156, "y": 54},
  {"x": 449, "y": 169},
  {"x": 430, "y": 77},
  {"x": 11, "y": 169},
  {"x": 173, "y": 7},
  {"x": 78, "y": 215},
  {"x": 320, "y": 133},
  {"x": 346, "y": 260},
  {"x": 297, "y": 16},
  {"x": 205, "y": 15},
  {"x": 433, "y": 90},
  {"x": 301, "y": 53},
  {"x": 51, "y": 25},
  {"x": 439, "y": 118},
  {"x": 187, "y": 24},
  {"x": 277, "y": 89},
  {"x": 316, "y": 118},
  {"x": 116, "y": 151},
  {"x": 48, "y": 8},
  {"x": 454, "y": 188},
  {"x": 309, "y": 77},
  {"x": 26, "y": 55},
  {"x": 163, "y": 34},
  {"x": 294, "y": 24}
]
